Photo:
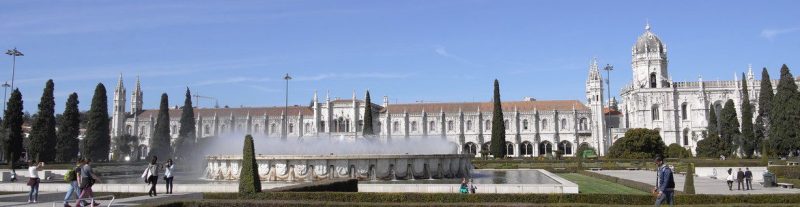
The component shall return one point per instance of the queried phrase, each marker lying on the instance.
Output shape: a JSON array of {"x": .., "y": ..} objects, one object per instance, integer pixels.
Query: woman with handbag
[
  {"x": 151, "y": 173},
  {"x": 33, "y": 181},
  {"x": 169, "y": 167}
]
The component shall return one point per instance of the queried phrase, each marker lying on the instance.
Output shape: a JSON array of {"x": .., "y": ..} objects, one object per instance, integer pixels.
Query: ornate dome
[{"x": 648, "y": 42}]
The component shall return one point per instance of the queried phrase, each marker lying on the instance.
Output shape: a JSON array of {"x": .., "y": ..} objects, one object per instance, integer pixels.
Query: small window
[
  {"x": 432, "y": 126},
  {"x": 413, "y": 126},
  {"x": 450, "y": 125},
  {"x": 684, "y": 111},
  {"x": 469, "y": 125},
  {"x": 525, "y": 124},
  {"x": 655, "y": 112},
  {"x": 291, "y": 128},
  {"x": 544, "y": 124},
  {"x": 395, "y": 126},
  {"x": 563, "y": 123},
  {"x": 488, "y": 125},
  {"x": 272, "y": 128}
]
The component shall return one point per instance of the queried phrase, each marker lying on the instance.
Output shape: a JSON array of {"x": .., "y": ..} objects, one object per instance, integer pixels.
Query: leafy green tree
[
  {"x": 249, "y": 180},
  {"x": 729, "y": 130},
  {"x": 784, "y": 115},
  {"x": 498, "y": 126},
  {"x": 12, "y": 123},
  {"x": 748, "y": 135},
  {"x": 688, "y": 185},
  {"x": 638, "y": 144},
  {"x": 97, "y": 143},
  {"x": 710, "y": 145},
  {"x": 160, "y": 143},
  {"x": 675, "y": 150},
  {"x": 68, "y": 131},
  {"x": 43, "y": 129},
  {"x": 762, "y": 120},
  {"x": 187, "y": 132},
  {"x": 368, "y": 132},
  {"x": 125, "y": 145}
]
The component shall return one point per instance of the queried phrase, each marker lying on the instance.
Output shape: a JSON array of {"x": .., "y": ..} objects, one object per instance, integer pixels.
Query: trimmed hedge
[
  {"x": 255, "y": 203},
  {"x": 432, "y": 198},
  {"x": 791, "y": 172},
  {"x": 608, "y": 164},
  {"x": 342, "y": 185}
]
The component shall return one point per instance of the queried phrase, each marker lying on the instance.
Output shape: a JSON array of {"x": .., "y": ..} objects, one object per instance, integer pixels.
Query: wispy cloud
[
  {"x": 770, "y": 34},
  {"x": 342, "y": 76},
  {"x": 442, "y": 51},
  {"x": 231, "y": 80}
]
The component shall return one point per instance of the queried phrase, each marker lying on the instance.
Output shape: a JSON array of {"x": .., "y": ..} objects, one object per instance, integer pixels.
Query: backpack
[
  {"x": 671, "y": 183},
  {"x": 71, "y": 175}
]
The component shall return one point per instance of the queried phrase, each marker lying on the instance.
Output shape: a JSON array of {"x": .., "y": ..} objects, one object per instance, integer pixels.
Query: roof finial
[{"x": 647, "y": 25}]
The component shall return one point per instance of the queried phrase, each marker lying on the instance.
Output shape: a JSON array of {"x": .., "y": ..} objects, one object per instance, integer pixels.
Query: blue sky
[{"x": 433, "y": 51}]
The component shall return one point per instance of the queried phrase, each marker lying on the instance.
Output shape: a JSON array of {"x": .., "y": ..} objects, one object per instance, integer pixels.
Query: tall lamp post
[
  {"x": 286, "y": 108},
  {"x": 14, "y": 53},
  {"x": 608, "y": 70}
]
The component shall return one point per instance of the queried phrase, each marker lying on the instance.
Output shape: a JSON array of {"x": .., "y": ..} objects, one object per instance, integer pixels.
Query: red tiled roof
[{"x": 560, "y": 105}]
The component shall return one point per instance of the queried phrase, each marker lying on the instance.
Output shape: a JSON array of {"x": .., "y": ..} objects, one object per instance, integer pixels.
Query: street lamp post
[
  {"x": 608, "y": 70},
  {"x": 14, "y": 53},
  {"x": 286, "y": 108},
  {"x": 5, "y": 95}
]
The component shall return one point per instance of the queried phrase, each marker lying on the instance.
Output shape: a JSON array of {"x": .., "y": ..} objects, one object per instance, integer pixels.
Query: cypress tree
[
  {"x": 249, "y": 180},
  {"x": 748, "y": 136},
  {"x": 762, "y": 120},
  {"x": 729, "y": 130},
  {"x": 159, "y": 144},
  {"x": 12, "y": 122},
  {"x": 186, "y": 134},
  {"x": 368, "y": 132},
  {"x": 97, "y": 143},
  {"x": 498, "y": 126},
  {"x": 68, "y": 131},
  {"x": 688, "y": 185},
  {"x": 710, "y": 145},
  {"x": 43, "y": 129},
  {"x": 784, "y": 115}
]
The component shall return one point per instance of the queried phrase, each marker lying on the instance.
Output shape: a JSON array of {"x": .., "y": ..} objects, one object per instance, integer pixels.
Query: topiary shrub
[
  {"x": 249, "y": 182},
  {"x": 688, "y": 186}
]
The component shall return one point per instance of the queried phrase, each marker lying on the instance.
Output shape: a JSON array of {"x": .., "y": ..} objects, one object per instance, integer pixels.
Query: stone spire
[{"x": 136, "y": 97}]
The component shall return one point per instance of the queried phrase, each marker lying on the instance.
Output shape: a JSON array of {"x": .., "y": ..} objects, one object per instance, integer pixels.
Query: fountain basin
[{"x": 363, "y": 167}]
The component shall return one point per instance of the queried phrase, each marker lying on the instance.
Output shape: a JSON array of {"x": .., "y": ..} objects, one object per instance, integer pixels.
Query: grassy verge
[
  {"x": 259, "y": 203},
  {"x": 592, "y": 185}
]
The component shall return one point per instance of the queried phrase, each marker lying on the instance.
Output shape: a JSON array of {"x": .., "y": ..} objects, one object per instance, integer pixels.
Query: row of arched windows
[
  {"x": 525, "y": 148},
  {"x": 583, "y": 124}
]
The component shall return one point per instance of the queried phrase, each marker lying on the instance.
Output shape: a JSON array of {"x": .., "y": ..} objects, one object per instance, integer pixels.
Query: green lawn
[{"x": 588, "y": 184}]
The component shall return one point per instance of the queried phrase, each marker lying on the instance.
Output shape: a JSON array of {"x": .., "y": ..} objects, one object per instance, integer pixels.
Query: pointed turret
[
  {"x": 136, "y": 97},
  {"x": 118, "y": 114}
]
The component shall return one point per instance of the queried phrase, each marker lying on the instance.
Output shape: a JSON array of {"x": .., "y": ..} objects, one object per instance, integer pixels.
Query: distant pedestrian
[
  {"x": 748, "y": 177},
  {"x": 665, "y": 185},
  {"x": 86, "y": 180},
  {"x": 740, "y": 180},
  {"x": 169, "y": 167},
  {"x": 71, "y": 177},
  {"x": 471, "y": 186},
  {"x": 463, "y": 189},
  {"x": 151, "y": 175},
  {"x": 33, "y": 181},
  {"x": 729, "y": 179}
]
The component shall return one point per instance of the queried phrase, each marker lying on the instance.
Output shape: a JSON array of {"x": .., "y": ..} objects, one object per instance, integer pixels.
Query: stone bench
[
  {"x": 595, "y": 169},
  {"x": 786, "y": 185},
  {"x": 791, "y": 163}
]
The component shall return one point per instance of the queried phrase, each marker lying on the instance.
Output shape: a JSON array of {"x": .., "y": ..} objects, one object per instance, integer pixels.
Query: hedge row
[
  {"x": 252, "y": 203},
  {"x": 339, "y": 185},
  {"x": 791, "y": 172},
  {"x": 620, "y": 199},
  {"x": 609, "y": 164},
  {"x": 629, "y": 183}
]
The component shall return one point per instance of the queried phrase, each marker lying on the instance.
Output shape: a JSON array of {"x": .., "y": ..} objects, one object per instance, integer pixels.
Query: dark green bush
[
  {"x": 249, "y": 181},
  {"x": 791, "y": 172},
  {"x": 688, "y": 186},
  {"x": 342, "y": 185}
]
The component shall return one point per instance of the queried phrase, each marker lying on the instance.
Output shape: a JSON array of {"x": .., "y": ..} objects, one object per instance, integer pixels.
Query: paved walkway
[
  {"x": 702, "y": 185},
  {"x": 48, "y": 199}
]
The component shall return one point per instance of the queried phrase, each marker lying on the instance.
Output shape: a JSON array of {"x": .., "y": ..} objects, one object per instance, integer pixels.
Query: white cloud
[
  {"x": 770, "y": 34},
  {"x": 442, "y": 51}
]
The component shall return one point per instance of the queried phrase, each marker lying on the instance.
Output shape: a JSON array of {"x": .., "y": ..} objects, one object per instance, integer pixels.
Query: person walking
[
  {"x": 151, "y": 173},
  {"x": 33, "y": 181},
  {"x": 748, "y": 177},
  {"x": 169, "y": 167},
  {"x": 72, "y": 179},
  {"x": 729, "y": 179},
  {"x": 740, "y": 180},
  {"x": 472, "y": 186},
  {"x": 86, "y": 180},
  {"x": 665, "y": 185}
]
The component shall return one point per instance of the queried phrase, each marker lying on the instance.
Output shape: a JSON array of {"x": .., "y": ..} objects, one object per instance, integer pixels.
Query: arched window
[
  {"x": 321, "y": 126},
  {"x": 206, "y": 129},
  {"x": 686, "y": 136},
  {"x": 653, "y": 80},
  {"x": 256, "y": 129},
  {"x": 414, "y": 126},
  {"x": 469, "y": 125},
  {"x": 272, "y": 128},
  {"x": 545, "y": 148},
  {"x": 141, "y": 131},
  {"x": 450, "y": 125},
  {"x": 509, "y": 148},
  {"x": 129, "y": 129},
  {"x": 488, "y": 125},
  {"x": 291, "y": 128},
  {"x": 307, "y": 127},
  {"x": 563, "y": 123},
  {"x": 566, "y": 147},
  {"x": 655, "y": 112},
  {"x": 525, "y": 124},
  {"x": 432, "y": 126},
  {"x": 395, "y": 126},
  {"x": 544, "y": 124},
  {"x": 582, "y": 124},
  {"x": 684, "y": 111},
  {"x": 526, "y": 148},
  {"x": 505, "y": 124},
  {"x": 487, "y": 147},
  {"x": 470, "y": 148},
  {"x": 174, "y": 129}
]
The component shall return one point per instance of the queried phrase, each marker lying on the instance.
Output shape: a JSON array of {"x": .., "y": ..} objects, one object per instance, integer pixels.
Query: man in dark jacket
[
  {"x": 748, "y": 177},
  {"x": 665, "y": 185},
  {"x": 740, "y": 179}
]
